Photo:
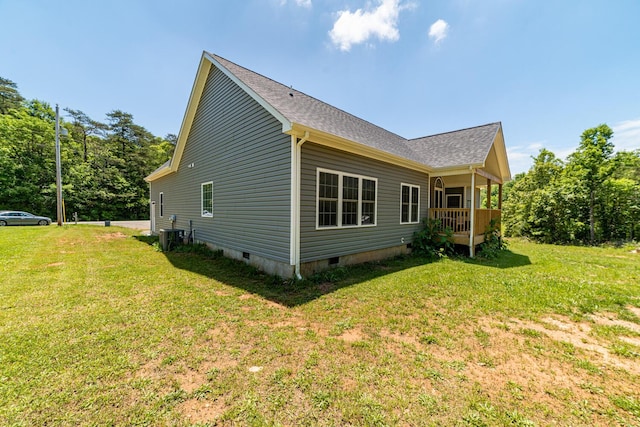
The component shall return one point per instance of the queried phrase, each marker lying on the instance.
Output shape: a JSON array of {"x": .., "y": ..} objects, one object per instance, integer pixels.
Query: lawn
[{"x": 98, "y": 327}]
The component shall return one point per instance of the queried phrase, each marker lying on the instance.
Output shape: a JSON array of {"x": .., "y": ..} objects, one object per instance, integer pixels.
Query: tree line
[
  {"x": 592, "y": 197},
  {"x": 103, "y": 163}
]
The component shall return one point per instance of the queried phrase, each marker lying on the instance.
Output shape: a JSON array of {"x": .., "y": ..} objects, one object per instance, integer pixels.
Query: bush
[
  {"x": 493, "y": 243},
  {"x": 433, "y": 241}
]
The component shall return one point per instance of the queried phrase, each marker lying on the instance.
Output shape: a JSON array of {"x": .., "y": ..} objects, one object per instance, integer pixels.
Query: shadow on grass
[
  {"x": 292, "y": 293},
  {"x": 506, "y": 259}
]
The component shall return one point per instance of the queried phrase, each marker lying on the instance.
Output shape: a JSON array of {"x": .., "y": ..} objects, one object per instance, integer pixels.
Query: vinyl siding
[
  {"x": 326, "y": 243},
  {"x": 240, "y": 147}
]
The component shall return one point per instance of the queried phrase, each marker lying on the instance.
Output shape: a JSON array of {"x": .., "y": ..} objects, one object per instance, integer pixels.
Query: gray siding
[
  {"x": 328, "y": 243},
  {"x": 240, "y": 147}
]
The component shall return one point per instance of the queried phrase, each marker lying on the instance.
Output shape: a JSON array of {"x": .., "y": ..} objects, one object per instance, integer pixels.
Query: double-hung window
[
  {"x": 206, "y": 198},
  {"x": 345, "y": 200},
  {"x": 409, "y": 204}
]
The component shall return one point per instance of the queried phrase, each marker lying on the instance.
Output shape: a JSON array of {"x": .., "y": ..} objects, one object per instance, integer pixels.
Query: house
[{"x": 292, "y": 185}]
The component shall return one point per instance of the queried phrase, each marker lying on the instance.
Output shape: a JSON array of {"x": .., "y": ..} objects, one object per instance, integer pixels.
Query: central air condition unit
[{"x": 170, "y": 238}]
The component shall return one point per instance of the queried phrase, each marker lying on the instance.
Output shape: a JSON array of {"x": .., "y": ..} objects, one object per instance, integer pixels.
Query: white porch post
[{"x": 472, "y": 215}]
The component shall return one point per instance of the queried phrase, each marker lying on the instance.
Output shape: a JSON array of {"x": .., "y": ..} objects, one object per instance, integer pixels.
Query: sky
[{"x": 546, "y": 69}]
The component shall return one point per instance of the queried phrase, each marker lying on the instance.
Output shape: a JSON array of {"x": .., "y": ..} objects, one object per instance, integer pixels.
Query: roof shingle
[{"x": 458, "y": 148}]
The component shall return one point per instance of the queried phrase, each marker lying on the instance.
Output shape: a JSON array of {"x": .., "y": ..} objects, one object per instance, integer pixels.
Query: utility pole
[{"x": 58, "y": 170}]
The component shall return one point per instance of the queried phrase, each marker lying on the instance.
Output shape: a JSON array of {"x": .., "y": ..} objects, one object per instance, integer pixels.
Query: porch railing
[
  {"x": 455, "y": 219},
  {"x": 459, "y": 220}
]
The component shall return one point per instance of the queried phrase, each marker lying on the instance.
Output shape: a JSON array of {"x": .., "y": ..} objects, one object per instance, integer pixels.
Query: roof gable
[{"x": 461, "y": 147}]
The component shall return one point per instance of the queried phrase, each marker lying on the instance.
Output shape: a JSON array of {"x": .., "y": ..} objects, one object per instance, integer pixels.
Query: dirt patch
[
  {"x": 55, "y": 264},
  {"x": 191, "y": 380},
  {"x": 351, "y": 335},
  {"x": 111, "y": 236},
  {"x": 560, "y": 328},
  {"x": 634, "y": 310},
  {"x": 202, "y": 411},
  {"x": 401, "y": 338},
  {"x": 611, "y": 319}
]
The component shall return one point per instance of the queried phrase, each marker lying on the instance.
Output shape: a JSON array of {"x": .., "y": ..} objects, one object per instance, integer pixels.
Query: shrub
[
  {"x": 433, "y": 241},
  {"x": 493, "y": 243}
]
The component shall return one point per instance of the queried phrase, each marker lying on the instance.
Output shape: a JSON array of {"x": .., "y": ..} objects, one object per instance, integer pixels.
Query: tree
[
  {"x": 589, "y": 167},
  {"x": 535, "y": 204},
  {"x": 10, "y": 98},
  {"x": 84, "y": 127}
]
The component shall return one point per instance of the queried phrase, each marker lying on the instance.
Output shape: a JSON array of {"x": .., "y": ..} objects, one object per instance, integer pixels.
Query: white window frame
[
  {"x": 161, "y": 198},
  {"x": 202, "y": 214},
  {"x": 411, "y": 187},
  {"x": 341, "y": 175}
]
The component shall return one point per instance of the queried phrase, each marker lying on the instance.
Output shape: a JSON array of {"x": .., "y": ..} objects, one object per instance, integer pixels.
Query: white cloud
[
  {"x": 438, "y": 30},
  {"x": 626, "y": 135},
  {"x": 357, "y": 27}
]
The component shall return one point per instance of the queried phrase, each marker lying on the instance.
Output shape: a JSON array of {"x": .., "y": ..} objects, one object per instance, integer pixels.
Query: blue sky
[{"x": 546, "y": 69}]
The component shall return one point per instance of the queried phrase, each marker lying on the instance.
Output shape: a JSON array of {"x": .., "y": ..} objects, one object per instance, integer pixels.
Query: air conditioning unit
[{"x": 170, "y": 238}]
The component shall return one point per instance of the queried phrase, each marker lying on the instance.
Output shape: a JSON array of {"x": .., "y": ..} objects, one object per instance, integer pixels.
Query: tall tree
[
  {"x": 589, "y": 167},
  {"x": 84, "y": 127},
  {"x": 10, "y": 98}
]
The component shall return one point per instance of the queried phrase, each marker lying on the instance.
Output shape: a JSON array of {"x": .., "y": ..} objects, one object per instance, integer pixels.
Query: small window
[
  {"x": 161, "y": 205},
  {"x": 409, "y": 204},
  {"x": 207, "y": 199},
  {"x": 345, "y": 200}
]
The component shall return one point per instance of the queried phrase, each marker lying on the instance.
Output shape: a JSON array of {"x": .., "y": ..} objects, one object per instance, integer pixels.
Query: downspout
[
  {"x": 295, "y": 200},
  {"x": 472, "y": 216}
]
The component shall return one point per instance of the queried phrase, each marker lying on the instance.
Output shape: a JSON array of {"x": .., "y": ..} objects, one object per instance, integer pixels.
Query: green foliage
[
  {"x": 593, "y": 198},
  {"x": 10, "y": 98},
  {"x": 432, "y": 240},
  {"x": 103, "y": 165},
  {"x": 493, "y": 242}
]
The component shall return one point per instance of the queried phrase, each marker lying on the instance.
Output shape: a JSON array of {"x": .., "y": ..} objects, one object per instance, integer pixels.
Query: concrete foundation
[
  {"x": 309, "y": 268},
  {"x": 269, "y": 266},
  {"x": 285, "y": 270}
]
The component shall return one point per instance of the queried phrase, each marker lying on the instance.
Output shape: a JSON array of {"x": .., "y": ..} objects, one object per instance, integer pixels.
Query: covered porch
[{"x": 457, "y": 204}]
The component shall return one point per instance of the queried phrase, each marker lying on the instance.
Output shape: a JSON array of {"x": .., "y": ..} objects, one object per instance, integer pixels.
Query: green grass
[{"x": 98, "y": 327}]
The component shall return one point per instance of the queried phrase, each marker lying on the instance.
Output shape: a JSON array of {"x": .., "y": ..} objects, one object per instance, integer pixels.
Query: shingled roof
[
  {"x": 308, "y": 111},
  {"x": 458, "y": 148},
  {"x": 451, "y": 150},
  {"x": 466, "y": 146}
]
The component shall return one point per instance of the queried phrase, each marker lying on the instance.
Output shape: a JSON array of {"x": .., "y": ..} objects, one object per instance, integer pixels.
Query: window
[
  {"x": 409, "y": 204},
  {"x": 207, "y": 199},
  {"x": 438, "y": 193},
  {"x": 345, "y": 200},
  {"x": 161, "y": 205}
]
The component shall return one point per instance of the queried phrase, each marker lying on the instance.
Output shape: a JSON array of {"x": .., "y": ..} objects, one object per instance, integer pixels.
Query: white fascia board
[{"x": 457, "y": 170}]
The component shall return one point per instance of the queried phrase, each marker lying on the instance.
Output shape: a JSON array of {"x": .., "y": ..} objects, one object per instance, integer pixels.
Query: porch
[
  {"x": 458, "y": 220},
  {"x": 456, "y": 204}
]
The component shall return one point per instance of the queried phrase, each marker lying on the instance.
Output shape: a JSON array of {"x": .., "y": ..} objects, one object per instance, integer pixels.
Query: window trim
[
  {"x": 411, "y": 187},
  {"x": 341, "y": 175},
  {"x": 209, "y": 215},
  {"x": 161, "y": 203}
]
